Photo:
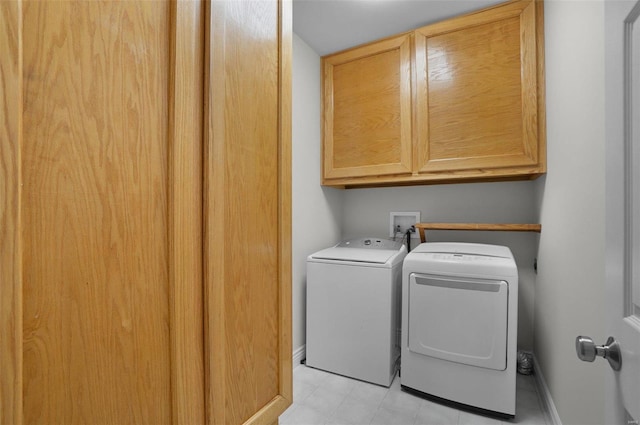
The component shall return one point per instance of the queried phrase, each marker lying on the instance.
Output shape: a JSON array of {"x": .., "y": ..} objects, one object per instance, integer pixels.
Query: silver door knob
[{"x": 588, "y": 351}]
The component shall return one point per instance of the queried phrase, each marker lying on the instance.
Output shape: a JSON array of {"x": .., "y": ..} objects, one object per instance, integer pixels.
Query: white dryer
[
  {"x": 353, "y": 309},
  {"x": 459, "y": 325}
]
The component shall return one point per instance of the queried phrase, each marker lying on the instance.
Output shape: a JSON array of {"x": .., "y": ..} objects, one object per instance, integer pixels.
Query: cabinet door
[
  {"x": 367, "y": 110},
  {"x": 477, "y": 94},
  {"x": 100, "y": 206},
  {"x": 248, "y": 212},
  {"x": 107, "y": 315}
]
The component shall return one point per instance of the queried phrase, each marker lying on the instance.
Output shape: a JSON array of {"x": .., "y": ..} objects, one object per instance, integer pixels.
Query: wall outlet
[{"x": 399, "y": 222}]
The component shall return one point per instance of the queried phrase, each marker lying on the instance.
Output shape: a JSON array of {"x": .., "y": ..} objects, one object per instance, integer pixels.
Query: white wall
[
  {"x": 569, "y": 292},
  {"x": 316, "y": 211},
  {"x": 366, "y": 213}
]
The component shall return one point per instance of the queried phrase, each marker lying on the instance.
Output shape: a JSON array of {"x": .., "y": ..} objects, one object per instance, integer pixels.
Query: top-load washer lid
[{"x": 362, "y": 250}]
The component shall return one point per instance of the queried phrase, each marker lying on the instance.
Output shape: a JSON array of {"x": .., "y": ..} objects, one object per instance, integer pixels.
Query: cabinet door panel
[
  {"x": 95, "y": 280},
  {"x": 247, "y": 212},
  {"x": 367, "y": 111},
  {"x": 477, "y": 91},
  {"x": 104, "y": 118}
]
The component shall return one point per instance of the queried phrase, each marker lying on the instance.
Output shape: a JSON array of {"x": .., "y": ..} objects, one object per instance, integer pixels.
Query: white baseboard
[
  {"x": 545, "y": 396},
  {"x": 298, "y": 355}
]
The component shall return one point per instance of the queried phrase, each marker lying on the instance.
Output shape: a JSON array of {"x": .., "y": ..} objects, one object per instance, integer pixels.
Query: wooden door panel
[
  {"x": 251, "y": 193},
  {"x": 247, "y": 187},
  {"x": 477, "y": 91},
  {"x": 94, "y": 155},
  {"x": 105, "y": 121},
  {"x": 367, "y": 111},
  {"x": 10, "y": 243},
  {"x": 102, "y": 217},
  {"x": 379, "y": 75},
  {"x": 470, "y": 102}
]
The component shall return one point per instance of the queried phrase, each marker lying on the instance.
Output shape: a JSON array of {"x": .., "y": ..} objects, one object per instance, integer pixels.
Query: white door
[{"x": 622, "y": 70}]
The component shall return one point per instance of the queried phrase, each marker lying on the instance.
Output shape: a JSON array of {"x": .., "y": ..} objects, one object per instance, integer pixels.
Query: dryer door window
[{"x": 462, "y": 320}]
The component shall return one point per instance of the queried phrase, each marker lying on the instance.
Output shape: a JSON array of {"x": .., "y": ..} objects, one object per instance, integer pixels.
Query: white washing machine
[
  {"x": 353, "y": 309},
  {"x": 459, "y": 325}
]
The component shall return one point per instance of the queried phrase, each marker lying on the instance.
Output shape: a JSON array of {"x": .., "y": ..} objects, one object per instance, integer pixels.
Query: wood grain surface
[
  {"x": 285, "y": 325},
  {"x": 146, "y": 212},
  {"x": 487, "y": 227},
  {"x": 479, "y": 79},
  {"x": 94, "y": 211},
  {"x": 474, "y": 84},
  {"x": 10, "y": 242},
  {"x": 367, "y": 110},
  {"x": 540, "y": 69},
  {"x": 186, "y": 305},
  {"x": 247, "y": 212}
]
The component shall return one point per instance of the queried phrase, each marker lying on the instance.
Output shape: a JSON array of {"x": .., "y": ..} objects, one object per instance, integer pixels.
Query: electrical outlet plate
[{"x": 404, "y": 220}]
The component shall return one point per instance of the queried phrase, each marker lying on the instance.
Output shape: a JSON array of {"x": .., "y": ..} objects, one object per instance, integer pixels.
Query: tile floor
[{"x": 326, "y": 399}]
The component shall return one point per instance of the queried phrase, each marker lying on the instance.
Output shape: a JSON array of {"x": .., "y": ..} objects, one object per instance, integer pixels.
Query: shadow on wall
[{"x": 333, "y": 198}]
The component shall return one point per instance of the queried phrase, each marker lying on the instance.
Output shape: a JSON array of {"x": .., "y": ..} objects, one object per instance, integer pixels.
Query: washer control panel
[{"x": 370, "y": 243}]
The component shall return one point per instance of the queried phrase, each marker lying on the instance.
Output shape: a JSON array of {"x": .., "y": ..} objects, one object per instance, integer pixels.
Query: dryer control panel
[{"x": 448, "y": 256}]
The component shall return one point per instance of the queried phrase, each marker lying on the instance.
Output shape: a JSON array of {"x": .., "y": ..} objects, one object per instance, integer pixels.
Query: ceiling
[{"x": 332, "y": 25}]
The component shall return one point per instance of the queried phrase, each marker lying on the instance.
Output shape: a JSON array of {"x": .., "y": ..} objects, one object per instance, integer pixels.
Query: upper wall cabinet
[
  {"x": 367, "y": 110},
  {"x": 477, "y": 104},
  {"x": 476, "y": 98}
]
